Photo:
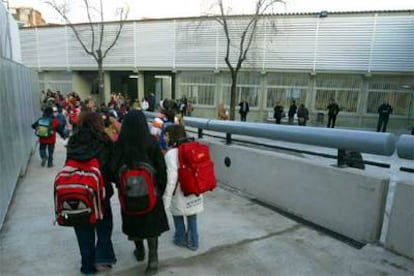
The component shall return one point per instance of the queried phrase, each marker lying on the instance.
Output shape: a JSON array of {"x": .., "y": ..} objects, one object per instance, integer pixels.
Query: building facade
[{"x": 360, "y": 59}]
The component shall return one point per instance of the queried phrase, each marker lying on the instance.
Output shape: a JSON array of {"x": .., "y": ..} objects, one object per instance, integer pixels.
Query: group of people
[
  {"x": 384, "y": 111},
  {"x": 133, "y": 143},
  {"x": 301, "y": 112}
]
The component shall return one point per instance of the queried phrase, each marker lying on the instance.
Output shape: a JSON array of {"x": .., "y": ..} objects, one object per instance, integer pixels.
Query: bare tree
[
  {"x": 242, "y": 44},
  {"x": 93, "y": 47}
]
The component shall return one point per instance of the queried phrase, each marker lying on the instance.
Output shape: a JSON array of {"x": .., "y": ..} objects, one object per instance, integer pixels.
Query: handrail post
[
  {"x": 228, "y": 138},
  {"x": 200, "y": 133}
]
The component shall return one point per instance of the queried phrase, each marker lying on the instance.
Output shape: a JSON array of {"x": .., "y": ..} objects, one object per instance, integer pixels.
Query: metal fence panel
[{"x": 19, "y": 90}]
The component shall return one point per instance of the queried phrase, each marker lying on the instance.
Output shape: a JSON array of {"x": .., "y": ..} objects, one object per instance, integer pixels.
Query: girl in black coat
[
  {"x": 135, "y": 144},
  {"x": 91, "y": 141}
]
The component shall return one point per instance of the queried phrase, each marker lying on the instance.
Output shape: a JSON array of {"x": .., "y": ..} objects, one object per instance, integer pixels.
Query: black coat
[
  {"x": 84, "y": 145},
  {"x": 155, "y": 222}
]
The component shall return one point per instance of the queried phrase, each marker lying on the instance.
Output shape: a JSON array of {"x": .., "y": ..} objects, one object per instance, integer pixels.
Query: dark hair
[
  {"x": 176, "y": 134},
  {"x": 169, "y": 109},
  {"x": 134, "y": 139},
  {"x": 93, "y": 121},
  {"x": 48, "y": 112}
]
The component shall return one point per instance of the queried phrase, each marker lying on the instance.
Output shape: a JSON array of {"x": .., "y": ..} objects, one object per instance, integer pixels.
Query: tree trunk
[
  {"x": 233, "y": 96},
  {"x": 101, "y": 80}
]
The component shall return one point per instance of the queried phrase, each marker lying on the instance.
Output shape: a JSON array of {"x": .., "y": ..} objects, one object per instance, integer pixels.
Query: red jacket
[{"x": 51, "y": 139}]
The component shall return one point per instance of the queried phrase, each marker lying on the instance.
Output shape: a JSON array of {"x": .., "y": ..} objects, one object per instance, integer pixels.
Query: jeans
[
  {"x": 49, "y": 155},
  {"x": 183, "y": 238},
  {"x": 102, "y": 252}
]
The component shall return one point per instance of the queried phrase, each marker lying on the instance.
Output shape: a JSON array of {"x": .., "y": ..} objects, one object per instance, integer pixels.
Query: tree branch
[
  {"x": 123, "y": 17},
  {"x": 91, "y": 25}
]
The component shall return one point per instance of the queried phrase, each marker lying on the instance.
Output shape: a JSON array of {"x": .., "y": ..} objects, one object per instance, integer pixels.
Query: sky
[{"x": 139, "y": 9}]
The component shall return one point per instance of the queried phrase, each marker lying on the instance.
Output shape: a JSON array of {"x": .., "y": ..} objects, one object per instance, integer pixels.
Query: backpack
[
  {"x": 79, "y": 192},
  {"x": 195, "y": 170},
  {"x": 136, "y": 190},
  {"x": 44, "y": 127}
]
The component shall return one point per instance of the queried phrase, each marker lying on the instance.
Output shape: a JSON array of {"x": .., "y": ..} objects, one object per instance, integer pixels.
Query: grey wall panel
[
  {"x": 344, "y": 43},
  {"x": 394, "y": 44},
  {"x": 359, "y": 42},
  {"x": 51, "y": 47},
  {"x": 196, "y": 43},
  {"x": 28, "y": 44},
  {"x": 77, "y": 56},
  {"x": 290, "y": 43},
  {"x": 19, "y": 87},
  {"x": 155, "y": 44},
  {"x": 123, "y": 53}
]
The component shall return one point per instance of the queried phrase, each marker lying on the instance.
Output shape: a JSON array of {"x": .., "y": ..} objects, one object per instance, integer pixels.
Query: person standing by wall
[
  {"x": 244, "y": 109},
  {"x": 278, "y": 113},
  {"x": 291, "y": 112},
  {"x": 384, "y": 112},
  {"x": 303, "y": 115},
  {"x": 333, "y": 110}
]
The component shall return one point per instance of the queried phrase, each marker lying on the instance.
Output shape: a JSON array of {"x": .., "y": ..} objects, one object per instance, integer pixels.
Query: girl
[
  {"x": 180, "y": 206},
  {"x": 135, "y": 145}
]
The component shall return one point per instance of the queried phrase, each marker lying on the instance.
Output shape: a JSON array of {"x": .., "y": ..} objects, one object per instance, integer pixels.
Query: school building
[{"x": 360, "y": 59}]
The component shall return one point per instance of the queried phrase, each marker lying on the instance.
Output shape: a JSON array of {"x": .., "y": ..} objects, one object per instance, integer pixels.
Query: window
[
  {"x": 198, "y": 94},
  {"x": 198, "y": 87},
  {"x": 400, "y": 102},
  {"x": 249, "y": 93},
  {"x": 248, "y": 87},
  {"x": 343, "y": 89},
  {"x": 393, "y": 89},
  {"x": 285, "y": 95}
]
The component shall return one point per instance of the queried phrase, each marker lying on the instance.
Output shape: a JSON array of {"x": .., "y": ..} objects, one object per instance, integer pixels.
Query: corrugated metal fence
[{"x": 19, "y": 105}]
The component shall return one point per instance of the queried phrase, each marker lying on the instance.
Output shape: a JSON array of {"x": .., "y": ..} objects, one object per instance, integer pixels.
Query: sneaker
[
  {"x": 44, "y": 159},
  {"x": 103, "y": 267},
  {"x": 181, "y": 244},
  {"x": 50, "y": 165},
  {"x": 192, "y": 247}
]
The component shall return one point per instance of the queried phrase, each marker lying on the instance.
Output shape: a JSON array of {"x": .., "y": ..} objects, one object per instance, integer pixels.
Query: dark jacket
[
  {"x": 292, "y": 110},
  {"x": 84, "y": 145},
  {"x": 155, "y": 222},
  {"x": 333, "y": 109},
  {"x": 244, "y": 107}
]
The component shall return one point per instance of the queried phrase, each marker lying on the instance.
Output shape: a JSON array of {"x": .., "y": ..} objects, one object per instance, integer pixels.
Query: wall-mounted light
[
  {"x": 133, "y": 76},
  {"x": 323, "y": 14}
]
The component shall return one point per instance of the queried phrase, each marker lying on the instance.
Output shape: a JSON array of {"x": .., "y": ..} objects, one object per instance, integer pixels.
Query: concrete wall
[
  {"x": 347, "y": 201},
  {"x": 400, "y": 235}
]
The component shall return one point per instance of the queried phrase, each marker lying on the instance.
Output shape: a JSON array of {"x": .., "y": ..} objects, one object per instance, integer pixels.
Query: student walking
[
  {"x": 46, "y": 128},
  {"x": 181, "y": 207},
  {"x": 135, "y": 145},
  {"x": 88, "y": 142}
]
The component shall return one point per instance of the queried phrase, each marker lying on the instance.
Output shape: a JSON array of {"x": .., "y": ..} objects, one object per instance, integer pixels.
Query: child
[
  {"x": 180, "y": 206},
  {"x": 46, "y": 128}
]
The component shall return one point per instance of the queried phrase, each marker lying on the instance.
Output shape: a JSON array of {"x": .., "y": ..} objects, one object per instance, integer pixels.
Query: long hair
[
  {"x": 92, "y": 122},
  {"x": 176, "y": 134},
  {"x": 134, "y": 139}
]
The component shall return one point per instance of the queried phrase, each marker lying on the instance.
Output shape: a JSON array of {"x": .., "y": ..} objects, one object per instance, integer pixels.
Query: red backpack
[
  {"x": 136, "y": 190},
  {"x": 196, "y": 170},
  {"x": 79, "y": 192}
]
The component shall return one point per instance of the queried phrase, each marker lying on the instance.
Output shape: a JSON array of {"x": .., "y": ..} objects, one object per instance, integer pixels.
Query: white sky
[{"x": 181, "y": 8}]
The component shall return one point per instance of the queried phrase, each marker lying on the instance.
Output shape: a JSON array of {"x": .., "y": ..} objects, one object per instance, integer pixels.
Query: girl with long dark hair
[{"x": 135, "y": 145}]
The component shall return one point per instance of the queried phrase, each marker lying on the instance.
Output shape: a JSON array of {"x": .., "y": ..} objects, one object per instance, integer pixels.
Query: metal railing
[{"x": 351, "y": 140}]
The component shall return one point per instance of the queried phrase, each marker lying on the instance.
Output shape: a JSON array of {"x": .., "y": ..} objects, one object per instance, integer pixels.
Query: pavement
[{"x": 238, "y": 236}]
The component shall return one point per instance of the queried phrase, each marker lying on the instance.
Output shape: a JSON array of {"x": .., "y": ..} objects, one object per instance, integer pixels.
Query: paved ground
[{"x": 238, "y": 237}]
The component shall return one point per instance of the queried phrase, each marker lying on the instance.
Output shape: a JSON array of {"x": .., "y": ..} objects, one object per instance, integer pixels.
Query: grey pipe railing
[
  {"x": 353, "y": 140},
  {"x": 405, "y": 147}
]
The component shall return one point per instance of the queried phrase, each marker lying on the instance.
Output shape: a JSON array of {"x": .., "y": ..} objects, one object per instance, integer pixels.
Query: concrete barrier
[
  {"x": 347, "y": 201},
  {"x": 400, "y": 235}
]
